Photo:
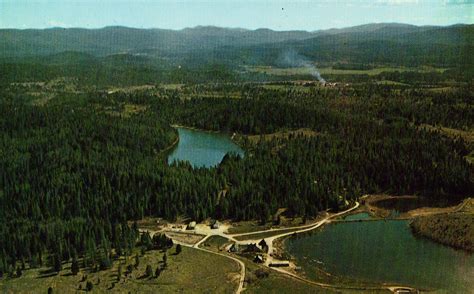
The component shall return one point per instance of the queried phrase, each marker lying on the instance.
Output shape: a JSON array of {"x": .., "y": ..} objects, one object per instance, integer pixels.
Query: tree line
[{"x": 74, "y": 171}]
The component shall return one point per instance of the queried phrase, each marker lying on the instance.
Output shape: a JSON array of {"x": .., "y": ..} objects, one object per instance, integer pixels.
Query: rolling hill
[{"x": 204, "y": 46}]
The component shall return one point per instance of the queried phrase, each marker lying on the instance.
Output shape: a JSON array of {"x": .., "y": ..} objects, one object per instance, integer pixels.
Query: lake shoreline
[
  {"x": 202, "y": 148},
  {"x": 318, "y": 273},
  {"x": 171, "y": 146},
  {"x": 177, "y": 126},
  {"x": 457, "y": 226}
]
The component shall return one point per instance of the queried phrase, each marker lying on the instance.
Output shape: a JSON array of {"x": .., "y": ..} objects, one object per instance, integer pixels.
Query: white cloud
[
  {"x": 55, "y": 23},
  {"x": 456, "y": 2},
  {"x": 398, "y": 2}
]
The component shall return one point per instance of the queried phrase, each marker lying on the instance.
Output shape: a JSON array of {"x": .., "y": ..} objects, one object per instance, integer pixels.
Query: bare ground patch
[{"x": 186, "y": 238}]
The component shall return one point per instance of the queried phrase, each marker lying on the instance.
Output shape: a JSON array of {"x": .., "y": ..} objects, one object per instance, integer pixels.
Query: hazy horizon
[
  {"x": 243, "y": 14},
  {"x": 233, "y": 28}
]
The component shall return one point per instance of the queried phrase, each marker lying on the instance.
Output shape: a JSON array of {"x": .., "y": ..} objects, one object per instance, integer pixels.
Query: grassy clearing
[
  {"x": 391, "y": 83},
  {"x": 187, "y": 238},
  {"x": 215, "y": 243},
  {"x": 129, "y": 109},
  {"x": 254, "y": 226},
  {"x": 278, "y": 283},
  {"x": 287, "y": 87},
  {"x": 442, "y": 89},
  {"x": 468, "y": 136},
  {"x": 274, "y": 282},
  {"x": 187, "y": 272},
  {"x": 126, "y": 111},
  {"x": 172, "y": 86},
  {"x": 264, "y": 235},
  {"x": 130, "y": 89},
  {"x": 282, "y": 135},
  {"x": 470, "y": 157},
  {"x": 247, "y": 227},
  {"x": 234, "y": 95},
  {"x": 256, "y": 282},
  {"x": 276, "y": 71}
]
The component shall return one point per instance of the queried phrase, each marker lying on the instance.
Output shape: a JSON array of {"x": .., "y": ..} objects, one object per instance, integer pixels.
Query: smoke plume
[{"x": 291, "y": 58}]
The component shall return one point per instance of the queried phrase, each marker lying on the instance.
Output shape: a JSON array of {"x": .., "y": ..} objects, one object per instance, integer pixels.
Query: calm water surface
[
  {"x": 202, "y": 149},
  {"x": 398, "y": 206},
  {"x": 358, "y": 216},
  {"x": 383, "y": 251}
]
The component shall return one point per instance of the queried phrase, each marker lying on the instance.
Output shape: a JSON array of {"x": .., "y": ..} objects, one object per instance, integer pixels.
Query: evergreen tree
[
  {"x": 119, "y": 272},
  {"x": 57, "y": 265},
  {"x": 18, "y": 272},
  {"x": 137, "y": 261},
  {"x": 165, "y": 259},
  {"x": 75, "y": 266},
  {"x": 178, "y": 249},
  {"x": 148, "y": 271},
  {"x": 89, "y": 286},
  {"x": 157, "y": 271}
]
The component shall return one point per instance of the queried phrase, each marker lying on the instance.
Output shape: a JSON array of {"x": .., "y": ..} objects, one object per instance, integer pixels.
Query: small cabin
[
  {"x": 280, "y": 264},
  {"x": 215, "y": 225},
  {"x": 252, "y": 247},
  {"x": 263, "y": 245},
  {"x": 191, "y": 226},
  {"x": 258, "y": 258},
  {"x": 234, "y": 248}
]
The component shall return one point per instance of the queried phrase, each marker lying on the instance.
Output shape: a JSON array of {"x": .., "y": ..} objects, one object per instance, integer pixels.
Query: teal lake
[
  {"x": 384, "y": 252},
  {"x": 202, "y": 149},
  {"x": 358, "y": 216}
]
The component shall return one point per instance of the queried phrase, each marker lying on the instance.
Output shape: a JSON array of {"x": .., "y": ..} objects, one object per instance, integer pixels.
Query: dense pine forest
[{"x": 74, "y": 171}]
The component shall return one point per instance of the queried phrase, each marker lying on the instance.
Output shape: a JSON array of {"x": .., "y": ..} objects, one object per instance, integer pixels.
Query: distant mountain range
[
  {"x": 372, "y": 43},
  {"x": 113, "y": 40}
]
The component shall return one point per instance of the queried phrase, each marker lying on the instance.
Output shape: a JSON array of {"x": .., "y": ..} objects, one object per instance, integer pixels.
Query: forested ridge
[
  {"x": 128, "y": 56},
  {"x": 455, "y": 230},
  {"x": 129, "y": 70},
  {"x": 74, "y": 170},
  {"x": 395, "y": 44}
]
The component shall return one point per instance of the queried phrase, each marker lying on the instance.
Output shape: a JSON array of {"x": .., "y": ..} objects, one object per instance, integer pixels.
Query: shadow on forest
[
  {"x": 47, "y": 274},
  {"x": 144, "y": 277}
]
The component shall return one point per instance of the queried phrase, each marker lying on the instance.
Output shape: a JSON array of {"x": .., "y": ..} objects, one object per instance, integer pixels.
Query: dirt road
[
  {"x": 302, "y": 229},
  {"x": 241, "y": 264},
  {"x": 240, "y": 287},
  {"x": 207, "y": 232},
  {"x": 204, "y": 230}
]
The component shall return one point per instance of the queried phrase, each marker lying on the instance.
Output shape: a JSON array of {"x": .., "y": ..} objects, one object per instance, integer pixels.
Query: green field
[
  {"x": 253, "y": 226},
  {"x": 276, "y": 282},
  {"x": 215, "y": 243},
  {"x": 247, "y": 227},
  {"x": 186, "y": 273},
  {"x": 263, "y": 235},
  {"x": 282, "y": 87},
  {"x": 276, "y": 71}
]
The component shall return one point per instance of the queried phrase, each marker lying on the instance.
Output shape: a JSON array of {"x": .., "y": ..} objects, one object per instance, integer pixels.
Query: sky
[{"x": 307, "y": 15}]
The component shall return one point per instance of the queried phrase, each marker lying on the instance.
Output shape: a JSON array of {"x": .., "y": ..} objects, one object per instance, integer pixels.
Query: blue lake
[
  {"x": 202, "y": 149},
  {"x": 358, "y": 216},
  {"x": 383, "y": 252}
]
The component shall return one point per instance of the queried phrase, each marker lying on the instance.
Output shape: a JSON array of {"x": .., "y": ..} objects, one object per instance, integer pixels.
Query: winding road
[
  {"x": 269, "y": 259},
  {"x": 241, "y": 264},
  {"x": 302, "y": 229},
  {"x": 269, "y": 256}
]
